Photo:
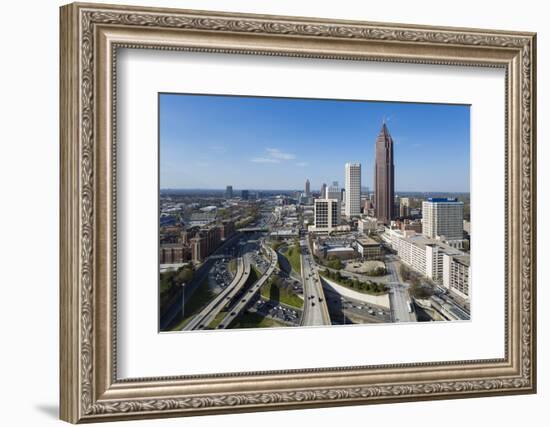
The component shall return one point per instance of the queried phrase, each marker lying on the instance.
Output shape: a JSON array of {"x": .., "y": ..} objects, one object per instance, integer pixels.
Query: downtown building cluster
[
  {"x": 437, "y": 252},
  {"x": 332, "y": 197},
  {"x": 432, "y": 245}
]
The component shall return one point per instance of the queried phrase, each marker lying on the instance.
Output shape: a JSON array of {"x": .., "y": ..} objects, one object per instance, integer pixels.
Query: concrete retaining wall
[{"x": 380, "y": 300}]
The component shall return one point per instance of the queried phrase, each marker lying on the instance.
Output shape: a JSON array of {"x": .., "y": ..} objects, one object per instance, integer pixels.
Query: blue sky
[{"x": 209, "y": 142}]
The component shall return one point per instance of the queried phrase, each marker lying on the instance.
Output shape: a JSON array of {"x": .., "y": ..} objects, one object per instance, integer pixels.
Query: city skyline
[{"x": 283, "y": 141}]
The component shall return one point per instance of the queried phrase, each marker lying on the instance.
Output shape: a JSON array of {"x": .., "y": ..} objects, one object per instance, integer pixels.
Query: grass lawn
[
  {"x": 369, "y": 288},
  {"x": 276, "y": 245},
  {"x": 293, "y": 256},
  {"x": 276, "y": 293},
  {"x": 202, "y": 296},
  {"x": 253, "y": 320},
  {"x": 232, "y": 266}
]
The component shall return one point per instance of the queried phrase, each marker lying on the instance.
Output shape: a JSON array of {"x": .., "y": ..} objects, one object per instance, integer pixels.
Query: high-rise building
[
  {"x": 384, "y": 176},
  {"x": 456, "y": 274},
  {"x": 326, "y": 215},
  {"x": 324, "y": 191},
  {"x": 229, "y": 192},
  {"x": 333, "y": 192},
  {"x": 442, "y": 218},
  {"x": 404, "y": 205},
  {"x": 245, "y": 194},
  {"x": 353, "y": 189},
  {"x": 307, "y": 188}
]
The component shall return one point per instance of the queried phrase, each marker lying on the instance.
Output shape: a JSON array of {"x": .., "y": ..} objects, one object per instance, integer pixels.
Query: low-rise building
[
  {"x": 367, "y": 225},
  {"x": 325, "y": 247},
  {"x": 174, "y": 253},
  {"x": 368, "y": 248},
  {"x": 408, "y": 224},
  {"x": 340, "y": 252},
  {"x": 202, "y": 218}
]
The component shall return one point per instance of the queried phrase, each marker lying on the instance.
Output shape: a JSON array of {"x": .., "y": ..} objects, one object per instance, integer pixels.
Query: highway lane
[
  {"x": 315, "y": 306},
  {"x": 249, "y": 294},
  {"x": 207, "y": 314},
  {"x": 349, "y": 310},
  {"x": 211, "y": 310},
  {"x": 175, "y": 309},
  {"x": 400, "y": 302}
]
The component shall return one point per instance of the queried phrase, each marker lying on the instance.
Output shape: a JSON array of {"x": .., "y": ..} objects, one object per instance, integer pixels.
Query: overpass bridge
[
  {"x": 253, "y": 229},
  {"x": 208, "y": 313},
  {"x": 256, "y": 286}
]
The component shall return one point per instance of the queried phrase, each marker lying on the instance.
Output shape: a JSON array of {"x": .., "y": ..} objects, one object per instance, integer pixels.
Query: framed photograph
[{"x": 266, "y": 213}]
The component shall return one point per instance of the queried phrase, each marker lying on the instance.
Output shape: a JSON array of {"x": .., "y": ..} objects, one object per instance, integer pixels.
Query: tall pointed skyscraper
[{"x": 384, "y": 176}]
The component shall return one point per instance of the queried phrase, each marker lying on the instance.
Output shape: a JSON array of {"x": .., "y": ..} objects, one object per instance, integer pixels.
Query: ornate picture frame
[{"x": 90, "y": 37}]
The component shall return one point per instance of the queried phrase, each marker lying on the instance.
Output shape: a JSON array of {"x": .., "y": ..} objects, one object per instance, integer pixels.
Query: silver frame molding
[{"x": 90, "y": 37}]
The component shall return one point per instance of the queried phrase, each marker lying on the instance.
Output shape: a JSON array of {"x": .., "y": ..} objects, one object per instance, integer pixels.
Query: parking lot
[
  {"x": 277, "y": 311},
  {"x": 260, "y": 262},
  {"x": 219, "y": 276}
]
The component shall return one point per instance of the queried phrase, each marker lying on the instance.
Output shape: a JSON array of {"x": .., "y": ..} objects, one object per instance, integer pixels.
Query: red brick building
[{"x": 174, "y": 253}]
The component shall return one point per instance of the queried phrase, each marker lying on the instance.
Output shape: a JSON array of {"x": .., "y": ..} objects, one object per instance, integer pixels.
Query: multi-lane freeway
[
  {"x": 240, "y": 305},
  {"x": 208, "y": 313},
  {"x": 315, "y": 305},
  {"x": 202, "y": 272},
  {"x": 400, "y": 303}
]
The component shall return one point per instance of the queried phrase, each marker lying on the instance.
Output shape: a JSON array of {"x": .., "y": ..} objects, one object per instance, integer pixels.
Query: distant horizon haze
[{"x": 237, "y": 190}]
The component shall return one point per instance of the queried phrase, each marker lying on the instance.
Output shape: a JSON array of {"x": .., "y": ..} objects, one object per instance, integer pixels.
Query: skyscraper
[
  {"x": 333, "y": 192},
  {"x": 308, "y": 190},
  {"x": 443, "y": 218},
  {"x": 384, "y": 176},
  {"x": 404, "y": 206},
  {"x": 229, "y": 192},
  {"x": 323, "y": 191},
  {"x": 353, "y": 189}
]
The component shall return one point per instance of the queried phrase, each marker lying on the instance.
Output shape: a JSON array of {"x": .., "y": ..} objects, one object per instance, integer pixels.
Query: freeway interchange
[{"x": 240, "y": 299}]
